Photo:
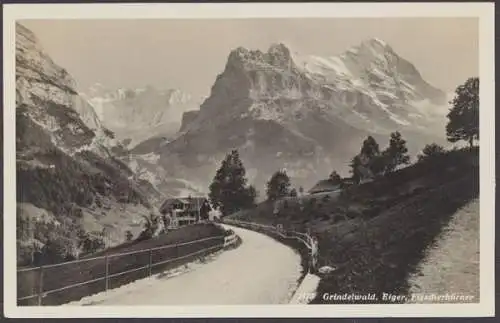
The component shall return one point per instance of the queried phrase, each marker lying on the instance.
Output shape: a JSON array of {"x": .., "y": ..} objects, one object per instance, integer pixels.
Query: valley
[
  {"x": 134, "y": 147},
  {"x": 94, "y": 165},
  {"x": 302, "y": 113}
]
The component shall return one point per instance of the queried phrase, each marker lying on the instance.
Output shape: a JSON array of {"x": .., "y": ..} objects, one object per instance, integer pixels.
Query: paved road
[{"x": 260, "y": 271}]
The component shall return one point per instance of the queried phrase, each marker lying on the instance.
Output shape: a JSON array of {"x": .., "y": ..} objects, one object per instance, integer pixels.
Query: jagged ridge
[{"x": 306, "y": 113}]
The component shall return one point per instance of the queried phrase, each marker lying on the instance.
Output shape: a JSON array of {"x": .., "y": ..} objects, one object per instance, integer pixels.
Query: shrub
[
  {"x": 89, "y": 243},
  {"x": 431, "y": 151},
  {"x": 335, "y": 178},
  {"x": 25, "y": 253},
  {"x": 92, "y": 244},
  {"x": 54, "y": 251},
  {"x": 150, "y": 227},
  {"x": 278, "y": 186}
]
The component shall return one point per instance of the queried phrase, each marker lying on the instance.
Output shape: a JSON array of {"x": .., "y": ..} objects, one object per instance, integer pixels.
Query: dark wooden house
[{"x": 185, "y": 210}]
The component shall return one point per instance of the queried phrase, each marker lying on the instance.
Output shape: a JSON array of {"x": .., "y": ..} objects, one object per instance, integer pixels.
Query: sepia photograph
[{"x": 174, "y": 157}]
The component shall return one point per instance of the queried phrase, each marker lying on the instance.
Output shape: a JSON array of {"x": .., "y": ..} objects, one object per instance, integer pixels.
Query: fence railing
[
  {"x": 309, "y": 241},
  {"x": 98, "y": 269}
]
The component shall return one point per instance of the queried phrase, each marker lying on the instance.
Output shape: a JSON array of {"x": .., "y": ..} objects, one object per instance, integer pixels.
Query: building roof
[
  {"x": 324, "y": 186},
  {"x": 191, "y": 202}
]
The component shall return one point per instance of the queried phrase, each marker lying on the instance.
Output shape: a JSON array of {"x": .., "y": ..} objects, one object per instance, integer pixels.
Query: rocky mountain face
[
  {"x": 307, "y": 114},
  {"x": 69, "y": 179},
  {"x": 135, "y": 115}
]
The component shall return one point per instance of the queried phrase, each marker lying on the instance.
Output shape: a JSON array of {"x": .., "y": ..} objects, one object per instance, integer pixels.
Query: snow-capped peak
[
  {"x": 140, "y": 113},
  {"x": 376, "y": 41},
  {"x": 279, "y": 48},
  {"x": 369, "y": 86}
]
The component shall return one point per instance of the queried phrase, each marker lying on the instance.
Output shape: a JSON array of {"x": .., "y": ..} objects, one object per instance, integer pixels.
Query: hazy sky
[{"x": 188, "y": 54}]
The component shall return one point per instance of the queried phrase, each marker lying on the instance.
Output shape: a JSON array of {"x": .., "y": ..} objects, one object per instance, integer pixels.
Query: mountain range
[
  {"x": 305, "y": 113},
  {"x": 135, "y": 115},
  {"x": 101, "y": 158}
]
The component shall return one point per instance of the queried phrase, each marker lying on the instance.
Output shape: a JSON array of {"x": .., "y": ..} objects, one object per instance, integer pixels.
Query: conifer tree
[
  {"x": 396, "y": 154},
  {"x": 229, "y": 191}
]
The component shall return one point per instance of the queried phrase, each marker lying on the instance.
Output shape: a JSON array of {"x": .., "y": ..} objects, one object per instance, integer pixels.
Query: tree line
[{"x": 56, "y": 243}]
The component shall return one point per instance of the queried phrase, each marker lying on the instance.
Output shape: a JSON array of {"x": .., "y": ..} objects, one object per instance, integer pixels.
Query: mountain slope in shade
[
  {"x": 39, "y": 80},
  {"x": 307, "y": 114},
  {"x": 68, "y": 178},
  {"x": 136, "y": 115}
]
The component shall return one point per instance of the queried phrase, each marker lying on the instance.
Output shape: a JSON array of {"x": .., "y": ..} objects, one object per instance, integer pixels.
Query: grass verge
[
  {"x": 376, "y": 234},
  {"x": 28, "y": 282}
]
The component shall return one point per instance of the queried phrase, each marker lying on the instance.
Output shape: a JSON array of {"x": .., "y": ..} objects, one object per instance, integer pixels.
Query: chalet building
[
  {"x": 329, "y": 186},
  {"x": 325, "y": 186},
  {"x": 183, "y": 211}
]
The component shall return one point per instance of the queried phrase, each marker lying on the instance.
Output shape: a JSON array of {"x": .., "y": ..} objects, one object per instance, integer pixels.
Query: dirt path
[
  {"x": 452, "y": 264},
  {"x": 260, "y": 271}
]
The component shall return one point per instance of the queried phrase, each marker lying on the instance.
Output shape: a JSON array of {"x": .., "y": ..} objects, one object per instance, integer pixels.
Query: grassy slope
[
  {"x": 83, "y": 191},
  {"x": 376, "y": 233},
  {"x": 448, "y": 268},
  {"x": 60, "y": 276}
]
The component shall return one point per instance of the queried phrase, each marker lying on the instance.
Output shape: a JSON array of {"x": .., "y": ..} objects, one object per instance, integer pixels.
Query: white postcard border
[{"x": 483, "y": 11}]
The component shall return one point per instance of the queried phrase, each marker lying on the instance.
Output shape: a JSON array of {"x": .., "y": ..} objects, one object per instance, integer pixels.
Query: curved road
[{"x": 260, "y": 271}]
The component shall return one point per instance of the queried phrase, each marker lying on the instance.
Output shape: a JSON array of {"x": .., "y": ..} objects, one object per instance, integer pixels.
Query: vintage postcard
[{"x": 249, "y": 160}]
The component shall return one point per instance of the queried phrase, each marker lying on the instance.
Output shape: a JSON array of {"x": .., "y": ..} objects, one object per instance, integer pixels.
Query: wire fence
[
  {"x": 64, "y": 282},
  {"x": 306, "y": 239}
]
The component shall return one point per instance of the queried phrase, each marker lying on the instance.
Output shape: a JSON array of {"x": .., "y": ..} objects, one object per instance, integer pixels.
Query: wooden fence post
[
  {"x": 106, "y": 274},
  {"x": 150, "y": 261},
  {"x": 314, "y": 254},
  {"x": 310, "y": 262},
  {"x": 40, "y": 287}
]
